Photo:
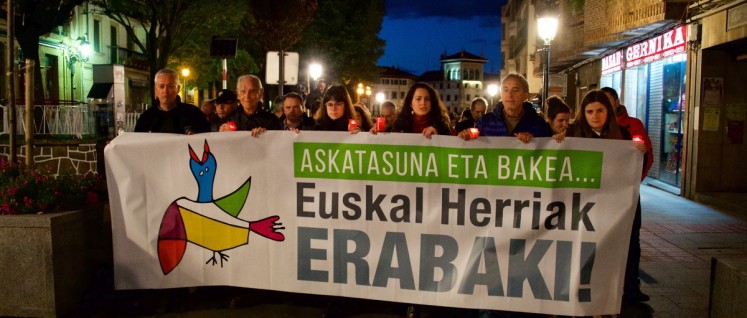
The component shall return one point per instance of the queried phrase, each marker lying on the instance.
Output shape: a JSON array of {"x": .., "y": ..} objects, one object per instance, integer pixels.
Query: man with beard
[{"x": 294, "y": 118}]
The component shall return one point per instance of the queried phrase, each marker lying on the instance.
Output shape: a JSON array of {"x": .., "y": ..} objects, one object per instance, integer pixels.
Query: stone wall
[{"x": 60, "y": 156}]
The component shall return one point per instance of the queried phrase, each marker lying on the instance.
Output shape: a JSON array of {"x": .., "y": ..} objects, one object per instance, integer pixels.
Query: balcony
[{"x": 129, "y": 58}]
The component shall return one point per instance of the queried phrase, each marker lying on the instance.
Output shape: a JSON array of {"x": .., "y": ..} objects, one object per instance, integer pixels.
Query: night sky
[{"x": 417, "y": 32}]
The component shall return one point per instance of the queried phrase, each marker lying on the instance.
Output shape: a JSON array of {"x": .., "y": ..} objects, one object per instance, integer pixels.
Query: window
[
  {"x": 113, "y": 36},
  {"x": 448, "y": 98},
  {"x": 394, "y": 95},
  {"x": 402, "y": 95},
  {"x": 469, "y": 97},
  {"x": 96, "y": 36}
]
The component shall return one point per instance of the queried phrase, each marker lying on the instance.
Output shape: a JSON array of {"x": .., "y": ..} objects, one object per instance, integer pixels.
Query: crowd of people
[{"x": 600, "y": 115}]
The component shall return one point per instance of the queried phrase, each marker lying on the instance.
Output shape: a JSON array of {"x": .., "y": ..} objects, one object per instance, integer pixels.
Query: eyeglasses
[{"x": 337, "y": 105}]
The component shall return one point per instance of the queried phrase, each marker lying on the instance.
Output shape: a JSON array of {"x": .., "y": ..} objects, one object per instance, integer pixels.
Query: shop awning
[{"x": 100, "y": 90}]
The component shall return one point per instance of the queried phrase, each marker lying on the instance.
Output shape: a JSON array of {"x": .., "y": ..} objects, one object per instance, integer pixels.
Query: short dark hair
[
  {"x": 611, "y": 91},
  {"x": 555, "y": 106},
  {"x": 293, "y": 95},
  {"x": 478, "y": 100}
]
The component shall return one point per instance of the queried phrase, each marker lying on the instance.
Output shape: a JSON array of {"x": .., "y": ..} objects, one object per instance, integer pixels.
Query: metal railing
[
  {"x": 74, "y": 120},
  {"x": 130, "y": 119}
]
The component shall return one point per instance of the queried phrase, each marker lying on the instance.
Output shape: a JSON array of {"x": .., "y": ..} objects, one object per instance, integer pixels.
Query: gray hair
[
  {"x": 169, "y": 72},
  {"x": 522, "y": 80},
  {"x": 248, "y": 77}
]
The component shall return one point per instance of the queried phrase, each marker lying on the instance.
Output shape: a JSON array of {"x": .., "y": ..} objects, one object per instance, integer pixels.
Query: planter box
[{"x": 46, "y": 261}]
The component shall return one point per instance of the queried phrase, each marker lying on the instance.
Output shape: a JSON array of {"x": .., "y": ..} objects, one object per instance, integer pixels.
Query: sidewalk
[{"x": 678, "y": 239}]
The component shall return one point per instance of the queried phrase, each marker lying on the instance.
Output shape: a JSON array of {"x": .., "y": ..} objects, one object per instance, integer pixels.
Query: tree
[
  {"x": 344, "y": 37},
  {"x": 162, "y": 21},
  {"x": 34, "y": 19},
  {"x": 206, "y": 71},
  {"x": 201, "y": 23},
  {"x": 277, "y": 25}
]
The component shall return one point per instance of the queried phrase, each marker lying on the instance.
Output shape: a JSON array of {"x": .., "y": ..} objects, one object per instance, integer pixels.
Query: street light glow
[
  {"x": 546, "y": 28},
  {"x": 85, "y": 48},
  {"x": 492, "y": 90},
  {"x": 185, "y": 72},
  {"x": 380, "y": 97},
  {"x": 315, "y": 71}
]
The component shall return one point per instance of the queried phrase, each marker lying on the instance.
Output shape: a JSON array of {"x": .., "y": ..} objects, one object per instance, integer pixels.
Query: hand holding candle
[
  {"x": 639, "y": 144},
  {"x": 473, "y": 133},
  {"x": 380, "y": 124},
  {"x": 231, "y": 125},
  {"x": 352, "y": 124}
]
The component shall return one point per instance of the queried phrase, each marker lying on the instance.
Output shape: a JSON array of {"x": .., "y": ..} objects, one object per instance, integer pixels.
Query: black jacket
[{"x": 178, "y": 120}]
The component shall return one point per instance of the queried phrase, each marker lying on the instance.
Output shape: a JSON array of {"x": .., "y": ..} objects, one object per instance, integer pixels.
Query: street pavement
[{"x": 679, "y": 238}]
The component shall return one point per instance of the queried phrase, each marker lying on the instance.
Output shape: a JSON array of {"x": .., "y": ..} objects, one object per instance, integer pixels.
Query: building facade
[
  {"x": 67, "y": 73},
  {"x": 679, "y": 67},
  {"x": 519, "y": 42}
]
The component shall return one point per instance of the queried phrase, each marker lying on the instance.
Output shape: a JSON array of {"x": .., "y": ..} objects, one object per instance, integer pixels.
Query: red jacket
[{"x": 636, "y": 128}]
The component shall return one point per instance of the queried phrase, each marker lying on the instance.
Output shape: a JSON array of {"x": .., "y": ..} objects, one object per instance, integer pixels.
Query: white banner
[{"x": 491, "y": 223}]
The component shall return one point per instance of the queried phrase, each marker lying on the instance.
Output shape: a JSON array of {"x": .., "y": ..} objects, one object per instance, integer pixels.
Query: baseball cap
[{"x": 225, "y": 96}]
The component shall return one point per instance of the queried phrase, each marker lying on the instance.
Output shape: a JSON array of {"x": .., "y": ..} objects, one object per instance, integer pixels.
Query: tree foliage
[
  {"x": 201, "y": 23},
  {"x": 277, "y": 25},
  {"x": 162, "y": 21},
  {"x": 34, "y": 19},
  {"x": 344, "y": 38}
]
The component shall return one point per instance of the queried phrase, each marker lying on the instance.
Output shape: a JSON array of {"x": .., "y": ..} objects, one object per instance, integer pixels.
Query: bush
[{"x": 25, "y": 190}]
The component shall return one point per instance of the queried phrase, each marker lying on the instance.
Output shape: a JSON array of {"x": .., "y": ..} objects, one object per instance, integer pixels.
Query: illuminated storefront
[{"x": 650, "y": 78}]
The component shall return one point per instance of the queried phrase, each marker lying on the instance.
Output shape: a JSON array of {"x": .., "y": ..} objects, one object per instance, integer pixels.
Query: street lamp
[
  {"x": 368, "y": 94},
  {"x": 315, "y": 71},
  {"x": 380, "y": 97},
  {"x": 360, "y": 90},
  {"x": 546, "y": 27},
  {"x": 492, "y": 90},
  {"x": 185, "y": 74},
  {"x": 81, "y": 54}
]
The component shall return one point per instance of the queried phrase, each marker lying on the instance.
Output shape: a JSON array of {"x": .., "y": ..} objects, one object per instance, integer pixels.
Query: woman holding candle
[
  {"x": 597, "y": 119},
  {"x": 336, "y": 112}
]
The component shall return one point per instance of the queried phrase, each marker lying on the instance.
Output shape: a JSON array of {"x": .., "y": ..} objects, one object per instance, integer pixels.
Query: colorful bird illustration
[{"x": 209, "y": 223}]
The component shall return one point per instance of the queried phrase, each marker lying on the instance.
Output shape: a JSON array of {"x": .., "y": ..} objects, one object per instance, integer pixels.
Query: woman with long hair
[
  {"x": 422, "y": 113},
  {"x": 596, "y": 119}
]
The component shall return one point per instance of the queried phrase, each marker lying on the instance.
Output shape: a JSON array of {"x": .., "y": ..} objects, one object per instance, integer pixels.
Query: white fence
[{"x": 72, "y": 120}]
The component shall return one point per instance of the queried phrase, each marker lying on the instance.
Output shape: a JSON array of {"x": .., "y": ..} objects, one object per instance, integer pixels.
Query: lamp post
[
  {"x": 380, "y": 97},
  {"x": 359, "y": 91},
  {"x": 81, "y": 54},
  {"x": 368, "y": 95},
  {"x": 315, "y": 71},
  {"x": 546, "y": 27},
  {"x": 185, "y": 74},
  {"x": 492, "y": 90}
]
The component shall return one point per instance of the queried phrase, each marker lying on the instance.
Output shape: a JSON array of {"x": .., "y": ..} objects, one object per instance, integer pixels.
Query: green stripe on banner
[{"x": 516, "y": 167}]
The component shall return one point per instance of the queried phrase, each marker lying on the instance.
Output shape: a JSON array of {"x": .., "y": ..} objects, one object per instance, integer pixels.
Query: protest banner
[{"x": 490, "y": 223}]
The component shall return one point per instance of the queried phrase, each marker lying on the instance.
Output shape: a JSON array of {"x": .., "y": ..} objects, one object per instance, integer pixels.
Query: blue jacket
[{"x": 492, "y": 124}]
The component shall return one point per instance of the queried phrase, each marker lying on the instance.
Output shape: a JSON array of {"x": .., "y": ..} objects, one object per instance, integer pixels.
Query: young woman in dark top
[
  {"x": 336, "y": 111},
  {"x": 422, "y": 113}
]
